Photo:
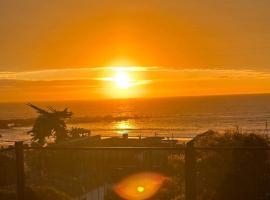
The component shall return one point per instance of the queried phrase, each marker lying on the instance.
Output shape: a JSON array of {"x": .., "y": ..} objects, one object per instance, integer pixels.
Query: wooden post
[
  {"x": 190, "y": 171},
  {"x": 19, "y": 170}
]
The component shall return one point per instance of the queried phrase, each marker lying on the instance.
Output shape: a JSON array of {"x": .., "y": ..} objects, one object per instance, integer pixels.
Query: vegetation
[
  {"x": 75, "y": 132},
  {"x": 49, "y": 123},
  {"x": 7, "y": 169},
  {"x": 34, "y": 193},
  {"x": 233, "y": 174},
  {"x": 52, "y": 124}
]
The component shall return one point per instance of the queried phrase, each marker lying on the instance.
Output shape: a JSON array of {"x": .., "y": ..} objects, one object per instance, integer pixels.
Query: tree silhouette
[{"x": 49, "y": 123}]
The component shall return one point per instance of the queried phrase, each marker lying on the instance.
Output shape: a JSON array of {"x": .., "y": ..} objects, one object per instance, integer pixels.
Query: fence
[{"x": 194, "y": 169}]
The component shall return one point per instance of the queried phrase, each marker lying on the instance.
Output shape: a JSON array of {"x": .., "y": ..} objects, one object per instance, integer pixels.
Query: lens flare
[
  {"x": 140, "y": 189},
  {"x": 139, "y": 186}
]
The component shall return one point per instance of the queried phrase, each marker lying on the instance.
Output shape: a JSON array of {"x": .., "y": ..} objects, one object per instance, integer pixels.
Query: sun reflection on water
[{"x": 123, "y": 127}]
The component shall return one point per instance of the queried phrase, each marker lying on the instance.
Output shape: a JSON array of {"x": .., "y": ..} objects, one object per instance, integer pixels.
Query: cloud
[
  {"x": 95, "y": 83},
  {"x": 32, "y": 84},
  {"x": 102, "y": 74},
  {"x": 68, "y": 73}
]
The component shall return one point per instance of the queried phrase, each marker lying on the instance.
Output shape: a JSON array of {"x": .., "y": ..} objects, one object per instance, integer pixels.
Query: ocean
[{"x": 182, "y": 117}]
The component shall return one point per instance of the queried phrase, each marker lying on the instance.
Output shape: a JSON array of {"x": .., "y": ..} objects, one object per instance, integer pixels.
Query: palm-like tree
[{"x": 49, "y": 123}]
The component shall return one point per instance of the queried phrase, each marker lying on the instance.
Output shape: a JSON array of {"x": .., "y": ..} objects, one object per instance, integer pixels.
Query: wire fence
[{"x": 92, "y": 173}]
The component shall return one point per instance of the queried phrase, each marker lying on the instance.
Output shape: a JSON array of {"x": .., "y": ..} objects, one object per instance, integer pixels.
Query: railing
[{"x": 192, "y": 165}]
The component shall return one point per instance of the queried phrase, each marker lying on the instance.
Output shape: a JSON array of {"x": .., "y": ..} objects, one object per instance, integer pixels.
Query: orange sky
[{"x": 52, "y": 50}]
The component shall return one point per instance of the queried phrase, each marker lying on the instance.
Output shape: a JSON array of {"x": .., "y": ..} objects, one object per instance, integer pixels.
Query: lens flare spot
[
  {"x": 140, "y": 189},
  {"x": 139, "y": 186}
]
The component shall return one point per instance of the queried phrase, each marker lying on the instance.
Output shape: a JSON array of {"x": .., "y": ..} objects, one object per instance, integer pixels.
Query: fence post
[
  {"x": 19, "y": 170},
  {"x": 190, "y": 171}
]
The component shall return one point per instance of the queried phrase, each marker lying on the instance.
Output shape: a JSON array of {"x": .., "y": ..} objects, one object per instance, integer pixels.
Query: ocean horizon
[{"x": 177, "y": 117}]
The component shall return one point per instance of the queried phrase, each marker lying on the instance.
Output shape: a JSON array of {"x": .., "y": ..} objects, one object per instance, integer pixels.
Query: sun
[{"x": 122, "y": 80}]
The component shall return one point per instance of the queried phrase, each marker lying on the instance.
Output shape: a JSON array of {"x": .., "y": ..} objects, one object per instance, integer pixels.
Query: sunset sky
[{"x": 83, "y": 49}]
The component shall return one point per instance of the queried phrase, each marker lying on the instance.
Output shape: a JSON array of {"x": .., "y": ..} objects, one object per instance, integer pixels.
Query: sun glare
[
  {"x": 140, "y": 186},
  {"x": 140, "y": 189},
  {"x": 122, "y": 80}
]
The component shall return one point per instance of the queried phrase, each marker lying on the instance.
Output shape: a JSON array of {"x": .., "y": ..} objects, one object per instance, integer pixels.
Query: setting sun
[{"x": 122, "y": 80}]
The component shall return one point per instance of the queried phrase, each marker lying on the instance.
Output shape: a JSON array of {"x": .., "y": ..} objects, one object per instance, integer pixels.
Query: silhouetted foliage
[
  {"x": 232, "y": 174},
  {"x": 7, "y": 170},
  {"x": 49, "y": 123},
  {"x": 75, "y": 132},
  {"x": 34, "y": 193}
]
